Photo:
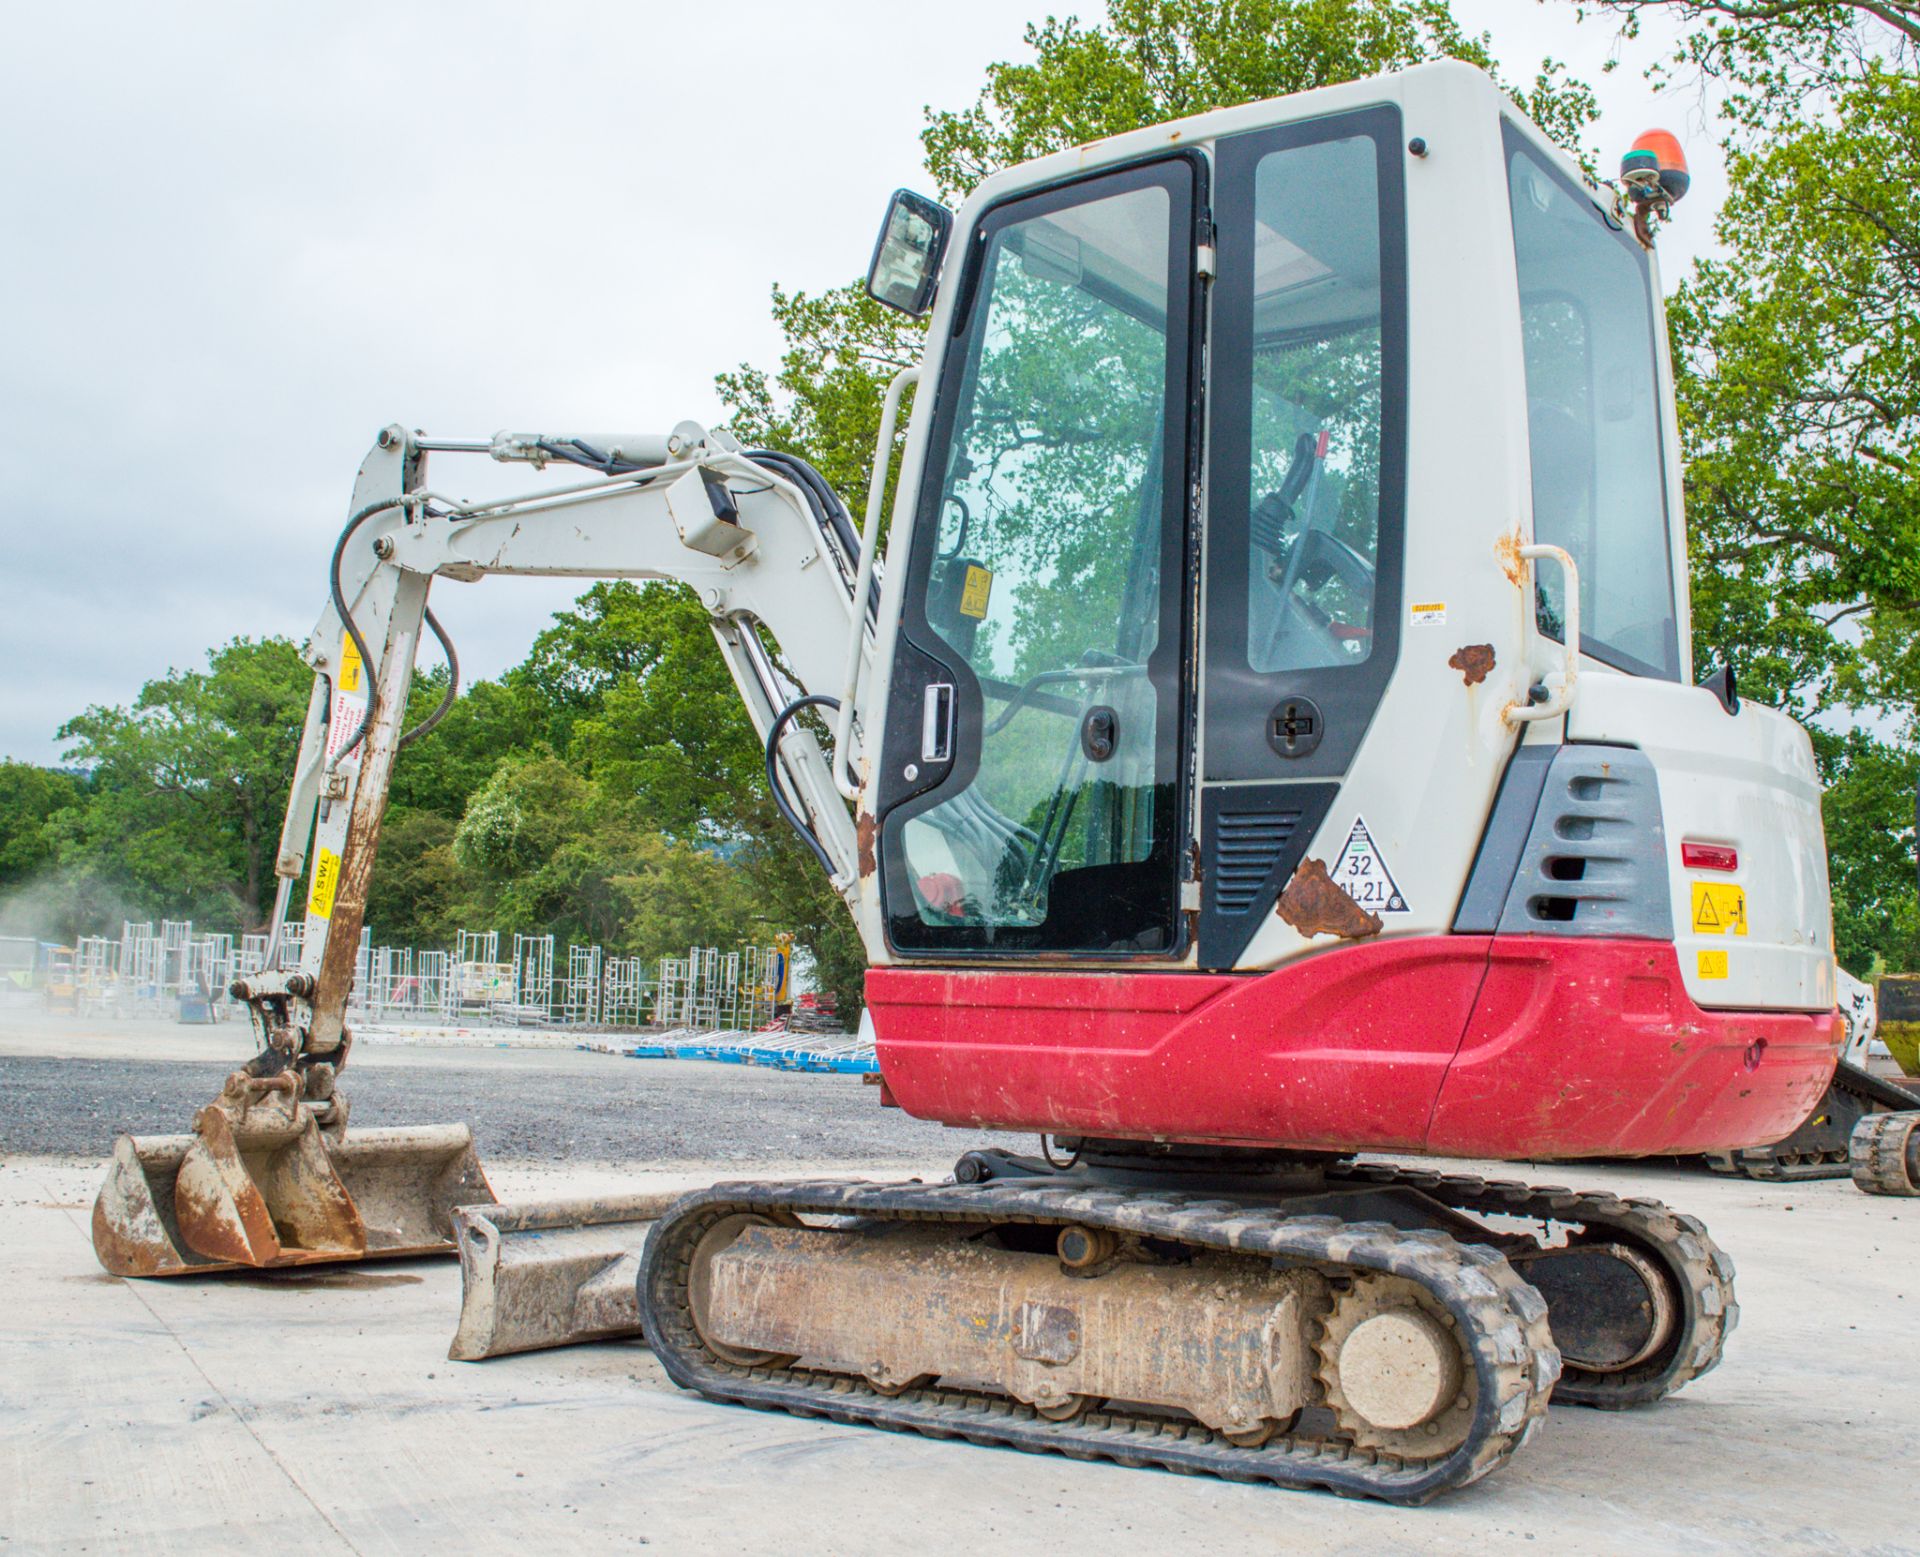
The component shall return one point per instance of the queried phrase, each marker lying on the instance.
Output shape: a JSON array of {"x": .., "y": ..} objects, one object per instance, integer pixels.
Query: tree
[
  {"x": 541, "y": 849},
  {"x": 656, "y": 724},
  {"x": 189, "y": 786},
  {"x": 30, "y": 798}
]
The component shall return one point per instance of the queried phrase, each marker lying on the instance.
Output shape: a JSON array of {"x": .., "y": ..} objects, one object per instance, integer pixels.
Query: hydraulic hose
[
  {"x": 360, "y": 644},
  {"x": 425, "y": 726},
  {"x": 794, "y": 819},
  {"x": 827, "y": 508},
  {"x": 353, "y": 628}
]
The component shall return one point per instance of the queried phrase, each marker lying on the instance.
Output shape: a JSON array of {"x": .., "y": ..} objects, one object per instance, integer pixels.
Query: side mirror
[{"x": 906, "y": 259}]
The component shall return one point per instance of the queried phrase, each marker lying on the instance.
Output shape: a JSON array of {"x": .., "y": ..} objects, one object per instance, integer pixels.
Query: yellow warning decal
[
  {"x": 1713, "y": 964},
  {"x": 350, "y": 664},
  {"x": 1719, "y": 908},
  {"x": 973, "y": 596},
  {"x": 326, "y": 877}
]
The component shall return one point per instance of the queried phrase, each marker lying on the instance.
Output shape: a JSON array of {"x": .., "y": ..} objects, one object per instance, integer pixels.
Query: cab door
[
  {"x": 1032, "y": 783},
  {"x": 1307, "y": 498}
]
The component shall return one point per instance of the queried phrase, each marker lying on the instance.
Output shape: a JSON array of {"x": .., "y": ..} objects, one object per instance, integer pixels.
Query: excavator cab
[{"x": 1290, "y": 550}]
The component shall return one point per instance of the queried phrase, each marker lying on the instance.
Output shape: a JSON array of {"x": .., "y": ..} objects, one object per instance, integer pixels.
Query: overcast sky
[{"x": 238, "y": 239}]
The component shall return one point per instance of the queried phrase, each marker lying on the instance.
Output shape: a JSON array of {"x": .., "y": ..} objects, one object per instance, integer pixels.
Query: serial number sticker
[
  {"x": 326, "y": 879},
  {"x": 1713, "y": 964},
  {"x": 350, "y": 665},
  {"x": 973, "y": 594},
  {"x": 1719, "y": 908}
]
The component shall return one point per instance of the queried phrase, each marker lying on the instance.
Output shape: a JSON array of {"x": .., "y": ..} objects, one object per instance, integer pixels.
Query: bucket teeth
[
  {"x": 233, "y": 1197},
  {"x": 274, "y": 1201}
]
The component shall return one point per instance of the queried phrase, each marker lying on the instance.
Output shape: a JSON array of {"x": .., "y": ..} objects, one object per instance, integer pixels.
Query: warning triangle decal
[{"x": 1363, "y": 875}]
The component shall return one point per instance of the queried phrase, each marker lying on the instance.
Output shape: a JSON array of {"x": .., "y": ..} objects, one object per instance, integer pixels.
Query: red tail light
[{"x": 1709, "y": 856}]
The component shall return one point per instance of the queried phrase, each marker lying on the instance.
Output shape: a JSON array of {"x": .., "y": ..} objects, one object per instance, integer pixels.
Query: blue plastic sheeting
[{"x": 778, "y": 1051}]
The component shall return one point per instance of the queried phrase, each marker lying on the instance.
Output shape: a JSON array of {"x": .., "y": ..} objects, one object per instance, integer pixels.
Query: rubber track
[
  {"x": 1514, "y": 1359},
  {"x": 1879, "y": 1152},
  {"x": 1701, "y": 1271}
]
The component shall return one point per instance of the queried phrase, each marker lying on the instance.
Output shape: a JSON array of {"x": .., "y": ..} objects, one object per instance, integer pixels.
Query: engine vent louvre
[
  {"x": 1595, "y": 860},
  {"x": 1247, "y": 845},
  {"x": 1251, "y": 838}
]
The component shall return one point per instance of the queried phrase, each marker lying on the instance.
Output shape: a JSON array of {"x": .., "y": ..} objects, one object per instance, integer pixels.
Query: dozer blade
[
  {"x": 222, "y": 1199},
  {"x": 550, "y": 1272}
]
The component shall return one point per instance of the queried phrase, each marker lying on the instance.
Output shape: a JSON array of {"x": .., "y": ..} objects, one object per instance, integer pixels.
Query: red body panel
[{"x": 1486, "y": 1046}]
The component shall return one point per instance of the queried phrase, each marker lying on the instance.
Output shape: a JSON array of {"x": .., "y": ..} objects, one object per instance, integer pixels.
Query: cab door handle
[{"x": 936, "y": 722}]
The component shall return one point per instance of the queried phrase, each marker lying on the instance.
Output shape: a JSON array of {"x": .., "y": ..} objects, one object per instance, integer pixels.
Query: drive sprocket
[{"x": 1391, "y": 1369}]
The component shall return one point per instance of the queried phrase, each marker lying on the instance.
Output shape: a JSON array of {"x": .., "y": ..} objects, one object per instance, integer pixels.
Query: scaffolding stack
[
  {"x": 169, "y": 970},
  {"x": 581, "y": 993},
  {"x": 628, "y": 994}
]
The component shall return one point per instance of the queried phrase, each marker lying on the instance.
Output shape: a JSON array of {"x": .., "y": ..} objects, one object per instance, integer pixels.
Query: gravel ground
[{"x": 661, "y": 1113}]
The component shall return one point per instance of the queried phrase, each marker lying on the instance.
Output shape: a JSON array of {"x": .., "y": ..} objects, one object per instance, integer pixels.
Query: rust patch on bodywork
[
  {"x": 1507, "y": 550},
  {"x": 864, "y": 827},
  {"x": 1474, "y": 661},
  {"x": 1315, "y": 904}
]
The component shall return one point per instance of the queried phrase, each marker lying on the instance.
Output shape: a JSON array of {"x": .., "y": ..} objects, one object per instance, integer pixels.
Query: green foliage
[
  {"x": 185, "y": 797},
  {"x": 1802, "y": 405},
  {"x": 823, "y": 401},
  {"x": 1870, "y": 850},
  {"x": 30, "y": 800},
  {"x": 648, "y": 710},
  {"x": 440, "y": 773},
  {"x": 1154, "y": 60},
  {"x": 540, "y": 848},
  {"x": 417, "y": 896},
  {"x": 1778, "y": 62}
]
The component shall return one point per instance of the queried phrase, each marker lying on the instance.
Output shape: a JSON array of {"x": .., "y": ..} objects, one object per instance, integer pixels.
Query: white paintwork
[{"x": 1745, "y": 779}]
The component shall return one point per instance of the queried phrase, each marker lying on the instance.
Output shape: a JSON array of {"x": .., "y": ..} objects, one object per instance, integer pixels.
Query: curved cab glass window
[
  {"x": 1593, "y": 415},
  {"x": 1315, "y": 524},
  {"x": 1047, "y": 582}
]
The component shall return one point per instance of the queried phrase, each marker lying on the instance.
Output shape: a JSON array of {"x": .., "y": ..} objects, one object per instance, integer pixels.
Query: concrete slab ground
[{"x": 318, "y": 1410}]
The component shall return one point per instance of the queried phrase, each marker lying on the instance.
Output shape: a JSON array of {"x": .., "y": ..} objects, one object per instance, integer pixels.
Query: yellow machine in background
[{"x": 59, "y": 983}]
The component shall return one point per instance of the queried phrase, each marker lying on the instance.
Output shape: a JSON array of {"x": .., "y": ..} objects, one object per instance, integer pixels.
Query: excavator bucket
[
  {"x": 550, "y": 1273},
  {"x": 245, "y": 1195}
]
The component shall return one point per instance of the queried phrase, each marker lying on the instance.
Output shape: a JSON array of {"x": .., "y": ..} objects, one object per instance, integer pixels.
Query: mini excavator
[{"x": 1269, "y": 740}]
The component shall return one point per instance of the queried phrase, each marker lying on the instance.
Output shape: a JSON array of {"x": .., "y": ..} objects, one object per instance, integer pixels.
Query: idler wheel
[{"x": 716, "y": 1240}]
